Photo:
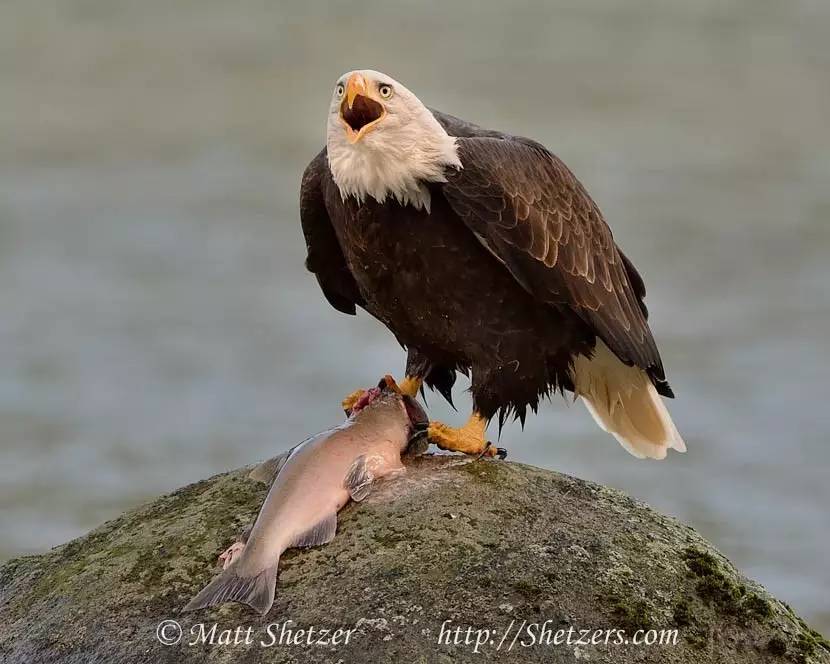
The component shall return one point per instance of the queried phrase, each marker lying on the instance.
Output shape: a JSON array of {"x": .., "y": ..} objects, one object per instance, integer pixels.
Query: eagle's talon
[
  {"x": 491, "y": 451},
  {"x": 469, "y": 439},
  {"x": 485, "y": 450}
]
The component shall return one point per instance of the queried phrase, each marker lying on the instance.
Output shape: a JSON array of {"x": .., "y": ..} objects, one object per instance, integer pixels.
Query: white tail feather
[{"x": 624, "y": 403}]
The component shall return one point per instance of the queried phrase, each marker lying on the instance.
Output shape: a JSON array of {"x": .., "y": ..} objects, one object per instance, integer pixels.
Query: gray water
[{"x": 157, "y": 325}]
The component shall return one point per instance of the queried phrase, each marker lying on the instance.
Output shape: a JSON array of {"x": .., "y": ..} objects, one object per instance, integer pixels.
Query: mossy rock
[{"x": 478, "y": 543}]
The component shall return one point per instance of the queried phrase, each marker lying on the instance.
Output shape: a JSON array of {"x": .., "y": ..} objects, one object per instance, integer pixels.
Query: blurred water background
[{"x": 157, "y": 325}]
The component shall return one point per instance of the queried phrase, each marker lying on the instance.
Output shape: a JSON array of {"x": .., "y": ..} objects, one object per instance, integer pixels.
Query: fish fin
[
  {"x": 255, "y": 591},
  {"x": 267, "y": 471},
  {"x": 321, "y": 532},
  {"x": 359, "y": 479}
]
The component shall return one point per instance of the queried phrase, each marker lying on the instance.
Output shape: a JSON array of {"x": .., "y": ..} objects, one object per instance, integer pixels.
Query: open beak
[{"x": 359, "y": 113}]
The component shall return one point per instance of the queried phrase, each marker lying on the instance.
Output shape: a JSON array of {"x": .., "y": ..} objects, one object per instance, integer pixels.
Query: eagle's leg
[
  {"x": 408, "y": 386},
  {"x": 411, "y": 385},
  {"x": 469, "y": 439}
]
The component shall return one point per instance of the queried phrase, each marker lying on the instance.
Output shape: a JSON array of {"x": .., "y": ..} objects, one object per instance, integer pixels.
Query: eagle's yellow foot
[
  {"x": 409, "y": 386},
  {"x": 469, "y": 439}
]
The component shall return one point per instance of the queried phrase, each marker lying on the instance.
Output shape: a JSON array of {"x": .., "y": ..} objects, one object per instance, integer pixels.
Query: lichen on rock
[{"x": 477, "y": 543}]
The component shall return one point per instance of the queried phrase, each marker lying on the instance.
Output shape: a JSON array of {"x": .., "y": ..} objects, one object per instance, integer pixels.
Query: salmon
[{"x": 314, "y": 480}]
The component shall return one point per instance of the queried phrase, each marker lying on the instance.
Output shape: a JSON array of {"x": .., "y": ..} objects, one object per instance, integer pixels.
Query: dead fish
[{"x": 313, "y": 482}]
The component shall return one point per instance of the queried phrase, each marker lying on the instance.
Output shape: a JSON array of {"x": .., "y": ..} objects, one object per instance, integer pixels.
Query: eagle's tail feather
[{"x": 625, "y": 403}]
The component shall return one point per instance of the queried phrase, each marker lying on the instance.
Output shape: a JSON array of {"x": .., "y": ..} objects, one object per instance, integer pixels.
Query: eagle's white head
[{"x": 383, "y": 142}]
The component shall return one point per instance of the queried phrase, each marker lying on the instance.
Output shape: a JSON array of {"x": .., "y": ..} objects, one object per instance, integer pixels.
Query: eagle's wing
[
  {"x": 534, "y": 216},
  {"x": 325, "y": 257}
]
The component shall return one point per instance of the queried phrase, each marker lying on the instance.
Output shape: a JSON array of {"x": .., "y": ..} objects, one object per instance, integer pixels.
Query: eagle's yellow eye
[
  {"x": 339, "y": 90},
  {"x": 385, "y": 91}
]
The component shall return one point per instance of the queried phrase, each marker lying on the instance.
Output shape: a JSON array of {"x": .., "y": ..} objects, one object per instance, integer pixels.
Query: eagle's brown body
[
  {"x": 447, "y": 298},
  {"x": 499, "y": 278}
]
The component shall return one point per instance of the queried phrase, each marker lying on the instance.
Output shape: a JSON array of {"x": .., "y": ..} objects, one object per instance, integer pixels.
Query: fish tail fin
[
  {"x": 255, "y": 591},
  {"x": 625, "y": 403}
]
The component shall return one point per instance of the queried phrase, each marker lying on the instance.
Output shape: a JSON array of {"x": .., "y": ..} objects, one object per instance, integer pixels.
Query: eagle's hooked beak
[{"x": 359, "y": 113}]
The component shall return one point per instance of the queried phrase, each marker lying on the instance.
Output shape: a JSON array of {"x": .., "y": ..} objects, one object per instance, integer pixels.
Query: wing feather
[
  {"x": 324, "y": 256},
  {"x": 532, "y": 213}
]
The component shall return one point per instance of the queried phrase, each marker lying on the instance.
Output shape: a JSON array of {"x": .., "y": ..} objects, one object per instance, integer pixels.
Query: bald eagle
[{"x": 482, "y": 253}]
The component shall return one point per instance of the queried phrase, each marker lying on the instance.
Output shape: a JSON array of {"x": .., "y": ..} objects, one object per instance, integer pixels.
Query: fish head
[
  {"x": 417, "y": 415},
  {"x": 387, "y": 396},
  {"x": 418, "y": 427}
]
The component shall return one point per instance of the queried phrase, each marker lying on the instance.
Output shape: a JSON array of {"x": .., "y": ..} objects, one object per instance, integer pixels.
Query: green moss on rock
[
  {"x": 810, "y": 645},
  {"x": 777, "y": 646},
  {"x": 632, "y": 614},
  {"x": 721, "y": 588},
  {"x": 480, "y": 543}
]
